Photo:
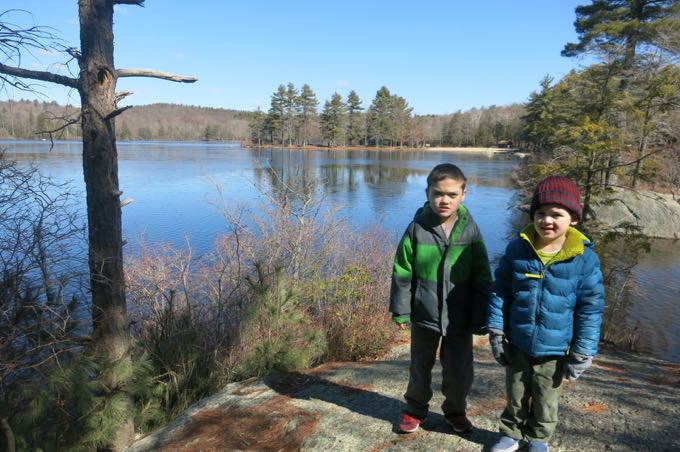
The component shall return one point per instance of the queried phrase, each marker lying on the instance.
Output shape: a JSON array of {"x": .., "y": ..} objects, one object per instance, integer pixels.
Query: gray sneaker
[
  {"x": 538, "y": 446},
  {"x": 505, "y": 444}
]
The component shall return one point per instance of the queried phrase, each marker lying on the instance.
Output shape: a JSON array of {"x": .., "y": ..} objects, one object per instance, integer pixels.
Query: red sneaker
[
  {"x": 408, "y": 423},
  {"x": 459, "y": 423}
]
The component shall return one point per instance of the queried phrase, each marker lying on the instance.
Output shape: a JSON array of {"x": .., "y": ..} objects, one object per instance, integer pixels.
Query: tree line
[
  {"x": 294, "y": 119},
  {"x": 342, "y": 122}
]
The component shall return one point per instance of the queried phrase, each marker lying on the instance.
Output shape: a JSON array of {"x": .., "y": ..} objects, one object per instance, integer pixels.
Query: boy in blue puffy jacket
[{"x": 545, "y": 313}]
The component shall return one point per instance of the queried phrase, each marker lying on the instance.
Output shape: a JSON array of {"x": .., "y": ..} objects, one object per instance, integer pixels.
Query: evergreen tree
[
  {"x": 275, "y": 116},
  {"x": 619, "y": 27},
  {"x": 380, "y": 121},
  {"x": 542, "y": 119},
  {"x": 291, "y": 111},
  {"x": 308, "y": 105},
  {"x": 355, "y": 120},
  {"x": 333, "y": 120},
  {"x": 401, "y": 113},
  {"x": 652, "y": 98},
  {"x": 256, "y": 126},
  {"x": 453, "y": 133}
]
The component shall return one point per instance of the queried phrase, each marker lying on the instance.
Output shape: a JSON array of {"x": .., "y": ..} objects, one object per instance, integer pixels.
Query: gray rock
[
  {"x": 657, "y": 215},
  {"x": 625, "y": 402}
]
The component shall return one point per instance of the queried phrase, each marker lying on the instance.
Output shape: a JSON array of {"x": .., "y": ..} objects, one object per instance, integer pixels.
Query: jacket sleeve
[
  {"x": 501, "y": 294},
  {"x": 481, "y": 285},
  {"x": 401, "y": 291},
  {"x": 589, "y": 308}
]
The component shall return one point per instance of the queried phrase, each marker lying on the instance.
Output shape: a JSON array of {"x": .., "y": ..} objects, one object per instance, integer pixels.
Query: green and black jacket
[{"x": 443, "y": 284}]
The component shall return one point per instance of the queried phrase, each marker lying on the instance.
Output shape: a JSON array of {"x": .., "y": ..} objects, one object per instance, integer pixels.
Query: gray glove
[
  {"x": 575, "y": 364},
  {"x": 499, "y": 347}
]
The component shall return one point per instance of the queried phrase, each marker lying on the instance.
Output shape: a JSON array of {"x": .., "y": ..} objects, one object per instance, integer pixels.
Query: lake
[{"x": 175, "y": 200}]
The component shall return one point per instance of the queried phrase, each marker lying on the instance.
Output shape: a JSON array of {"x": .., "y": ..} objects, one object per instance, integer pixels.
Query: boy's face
[
  {"x": 445, "y": 196},
  {"x": 551, "y": 223}
]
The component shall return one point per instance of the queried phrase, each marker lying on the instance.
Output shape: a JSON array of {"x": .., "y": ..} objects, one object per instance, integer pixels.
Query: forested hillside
[
  {"x": 26, "y": 119},
  {"x": 484, "y": 126}
]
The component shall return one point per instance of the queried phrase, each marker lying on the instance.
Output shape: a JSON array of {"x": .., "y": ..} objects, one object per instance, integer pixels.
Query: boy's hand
[
  {"x": 499, "y": 348},
  {"x": 402, "y": 321},
  {"x": 575, "y": 365}
]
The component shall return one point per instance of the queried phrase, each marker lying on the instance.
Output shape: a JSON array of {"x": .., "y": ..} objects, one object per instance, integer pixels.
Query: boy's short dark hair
[{"x": 445, "y": 171}]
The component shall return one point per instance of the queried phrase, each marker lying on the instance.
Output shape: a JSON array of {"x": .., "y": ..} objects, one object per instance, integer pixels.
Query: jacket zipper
[
  {"x": 539, "y": 294},
  {"x": 444, "y": 285}
]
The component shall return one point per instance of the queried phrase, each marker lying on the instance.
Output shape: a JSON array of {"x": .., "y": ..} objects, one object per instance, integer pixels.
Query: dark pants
[
  {"x": 533, "y": 387},
  {"x": 456, "y": 360}
]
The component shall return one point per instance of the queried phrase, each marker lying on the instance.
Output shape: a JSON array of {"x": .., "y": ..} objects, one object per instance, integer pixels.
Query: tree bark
[
  {"x": 96, "y": 85},
  {"x": 110, "y": 323}
]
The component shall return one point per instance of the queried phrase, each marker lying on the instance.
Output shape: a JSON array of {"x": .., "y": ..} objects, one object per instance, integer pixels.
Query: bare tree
[{"x": 96, "y": 85}]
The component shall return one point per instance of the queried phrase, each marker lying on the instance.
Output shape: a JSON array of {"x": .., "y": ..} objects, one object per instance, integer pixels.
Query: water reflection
[
  {"x": 173, "y": 185},
  {"x": 658, "y": 278}
]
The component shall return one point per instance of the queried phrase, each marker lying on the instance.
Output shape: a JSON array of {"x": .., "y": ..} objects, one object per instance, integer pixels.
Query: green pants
[{"x": 533, "y": 387}]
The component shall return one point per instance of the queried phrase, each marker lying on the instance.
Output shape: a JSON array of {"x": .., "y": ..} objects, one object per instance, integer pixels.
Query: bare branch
[
  {"x": 67, "y": 122},
  {"x": 39, "y": 75},
  {"x": 122, "y": 95},
  {"x": 75, "y": 53},
  {"x": 116, "y": 112},
  {"x": 129, "y": 2},
  {"x": 154, "y": 74}
]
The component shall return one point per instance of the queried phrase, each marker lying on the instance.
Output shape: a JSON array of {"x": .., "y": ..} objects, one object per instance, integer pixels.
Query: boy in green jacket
[{"x": 440, "y": 285}]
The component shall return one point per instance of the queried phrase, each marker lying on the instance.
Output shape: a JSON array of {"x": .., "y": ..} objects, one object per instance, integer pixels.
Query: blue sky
[{"x": 440, "y": 55}]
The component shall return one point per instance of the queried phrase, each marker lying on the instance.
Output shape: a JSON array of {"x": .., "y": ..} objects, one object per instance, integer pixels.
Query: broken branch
[{"x": 154, "y": 74}]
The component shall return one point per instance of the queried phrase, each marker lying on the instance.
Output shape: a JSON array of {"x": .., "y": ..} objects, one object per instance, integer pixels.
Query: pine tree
[
  {"x": 333, "y": 120},
  {"x": 380, "y": 123},
  {"x": 308, "y": 104},
  {"x": 619, "y": 27},
  {"x": 291, "y": 109},
  {"x": 275, "y": 116},
  {"x": 256, "y": 126},
  {"x": 355, "y": 129},
  {"x": 402, "y": 119}
]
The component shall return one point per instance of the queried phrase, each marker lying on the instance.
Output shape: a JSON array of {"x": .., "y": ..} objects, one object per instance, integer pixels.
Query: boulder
[{"x": 658, "y": 215}]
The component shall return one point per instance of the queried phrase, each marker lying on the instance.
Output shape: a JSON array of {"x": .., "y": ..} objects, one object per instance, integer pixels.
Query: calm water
[{"x": 174, "y": 187}]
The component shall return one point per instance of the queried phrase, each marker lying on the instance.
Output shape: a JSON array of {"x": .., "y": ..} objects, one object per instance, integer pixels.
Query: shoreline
[{"x": 469, "y": 150}]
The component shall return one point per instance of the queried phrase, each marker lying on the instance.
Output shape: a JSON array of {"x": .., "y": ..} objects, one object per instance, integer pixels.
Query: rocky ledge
[
  {"x": 657, "y": 215},
  {"x": 625, "y": 402}
]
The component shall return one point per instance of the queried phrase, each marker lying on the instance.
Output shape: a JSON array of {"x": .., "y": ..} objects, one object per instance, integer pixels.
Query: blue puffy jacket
[{"x": 548, "y": 310}]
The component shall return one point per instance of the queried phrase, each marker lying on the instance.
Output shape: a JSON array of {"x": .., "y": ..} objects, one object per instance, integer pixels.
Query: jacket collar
[
  {"x": 426, "y": 216},
  {"x": 429, "y": 220},
  {"x": 574, "y": 245}
]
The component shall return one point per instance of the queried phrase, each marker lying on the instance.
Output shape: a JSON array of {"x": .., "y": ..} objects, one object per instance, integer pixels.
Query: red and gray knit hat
[{"x": 558, "y": 190}]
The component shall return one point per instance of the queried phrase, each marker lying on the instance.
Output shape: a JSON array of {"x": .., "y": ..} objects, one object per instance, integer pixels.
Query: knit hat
[{"x": 558, "y": 190}]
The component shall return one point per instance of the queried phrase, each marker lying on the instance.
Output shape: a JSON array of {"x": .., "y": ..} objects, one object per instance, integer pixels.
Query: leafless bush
[
  {"x": 44, "y": 277},
  {"x": 288, "y": 285}
]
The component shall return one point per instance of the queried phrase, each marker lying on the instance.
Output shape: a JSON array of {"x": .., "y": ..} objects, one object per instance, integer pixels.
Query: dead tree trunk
[
  {"x": 96, "y": 85},
  {"x": 110, "y": 323}
]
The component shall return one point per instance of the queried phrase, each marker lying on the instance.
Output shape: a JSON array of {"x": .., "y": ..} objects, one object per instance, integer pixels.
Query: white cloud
[{"x": 342, "y": 83}]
